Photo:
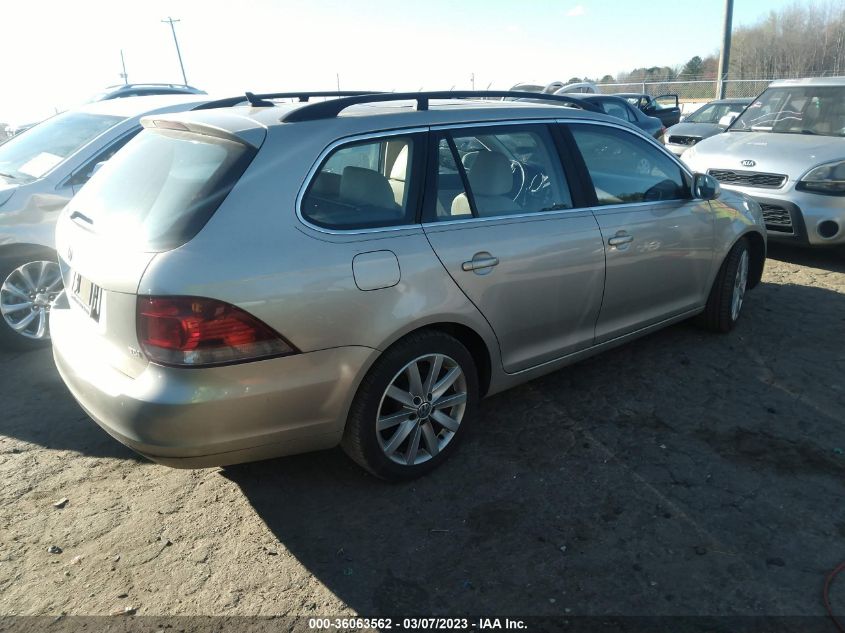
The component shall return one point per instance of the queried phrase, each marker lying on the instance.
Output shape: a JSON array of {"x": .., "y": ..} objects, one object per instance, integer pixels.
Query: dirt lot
[{"x": 687, "y": 473}]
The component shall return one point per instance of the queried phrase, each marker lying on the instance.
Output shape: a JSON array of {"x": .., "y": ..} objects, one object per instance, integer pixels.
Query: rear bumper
[{"x": 196, "y": 418}]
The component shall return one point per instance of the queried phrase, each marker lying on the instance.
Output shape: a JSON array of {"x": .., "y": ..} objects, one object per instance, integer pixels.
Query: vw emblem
[
  {"x": 69, "y": 254},
  {"x": 748, "y": 163}
]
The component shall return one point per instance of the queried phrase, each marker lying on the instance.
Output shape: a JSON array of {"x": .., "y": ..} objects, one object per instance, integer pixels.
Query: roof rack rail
[
  {"x": 330, "y": 109},
  {"x": 260, "y": 100}
]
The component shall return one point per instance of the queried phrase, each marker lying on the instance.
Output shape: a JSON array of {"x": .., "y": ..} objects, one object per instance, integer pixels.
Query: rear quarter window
[{"x": 364, "y": 184}]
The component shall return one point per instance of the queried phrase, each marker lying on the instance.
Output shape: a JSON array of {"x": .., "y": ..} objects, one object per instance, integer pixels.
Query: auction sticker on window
[{"x": 40, "y": 165}]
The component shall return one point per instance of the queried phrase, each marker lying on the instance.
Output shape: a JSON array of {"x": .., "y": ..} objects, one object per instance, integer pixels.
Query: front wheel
[
  {"x": 28, "y": 286},
  {"x": 728, "y": 293},
  {"x": 413, "y": 407}
]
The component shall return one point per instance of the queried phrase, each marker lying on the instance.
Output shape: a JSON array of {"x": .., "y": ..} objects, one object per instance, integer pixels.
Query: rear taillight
[{"x": 194, "y": 331}]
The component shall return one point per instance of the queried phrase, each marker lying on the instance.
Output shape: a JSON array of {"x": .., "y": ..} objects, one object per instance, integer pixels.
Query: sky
[{"x": 57, "y": 53}]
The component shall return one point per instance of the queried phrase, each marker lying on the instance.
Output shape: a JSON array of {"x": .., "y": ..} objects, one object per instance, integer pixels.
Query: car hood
[
  {"x": 700, "y": 130},
  {"x": 790, "y": 154}
]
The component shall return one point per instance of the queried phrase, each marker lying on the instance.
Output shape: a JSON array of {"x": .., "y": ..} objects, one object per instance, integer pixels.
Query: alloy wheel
[
  {"x": 740, "y": 283},
  {"x": 26, "y": 296},
  {"x": 421, "y": 409}
]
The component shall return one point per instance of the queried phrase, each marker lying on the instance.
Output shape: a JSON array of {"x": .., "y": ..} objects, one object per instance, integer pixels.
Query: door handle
[
  {"x": 620, "y": 238},
  {"x": 480, "y": 262}
]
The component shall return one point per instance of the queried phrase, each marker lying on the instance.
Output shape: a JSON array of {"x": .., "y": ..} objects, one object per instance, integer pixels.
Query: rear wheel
[
  {"x": 28, "y": 286},
  {"x": 413, "y": 407},
  {"x": 728, "y": 293}
]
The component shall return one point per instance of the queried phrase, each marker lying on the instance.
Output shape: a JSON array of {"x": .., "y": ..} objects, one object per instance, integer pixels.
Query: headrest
[
  {"x": 491, "y": 174},
  {"x": 400, "y": 165},
  {"x": 365, "y": 186}
]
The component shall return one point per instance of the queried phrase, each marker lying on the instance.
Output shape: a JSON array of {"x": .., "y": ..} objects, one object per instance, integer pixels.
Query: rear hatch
[{"x": 154, "y": 195}]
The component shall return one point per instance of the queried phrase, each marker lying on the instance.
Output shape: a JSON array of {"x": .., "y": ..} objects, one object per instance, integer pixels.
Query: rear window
[{"x": 161, "y": 189}]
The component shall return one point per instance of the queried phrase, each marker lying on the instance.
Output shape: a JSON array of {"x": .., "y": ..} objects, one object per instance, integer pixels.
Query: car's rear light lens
[{"x": 194, "y": 332}]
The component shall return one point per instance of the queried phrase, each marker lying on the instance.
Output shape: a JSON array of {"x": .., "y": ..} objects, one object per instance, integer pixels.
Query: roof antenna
[{"x": 255, "y": 102}]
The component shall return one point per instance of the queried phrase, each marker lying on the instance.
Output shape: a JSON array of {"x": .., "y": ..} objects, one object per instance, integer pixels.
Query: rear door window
[
  {"x": 161, "y": 188},
  {"x": 625, "y": 168},
  {"x": 365, "y": 184},
  {"x": 498, "y": 171}
]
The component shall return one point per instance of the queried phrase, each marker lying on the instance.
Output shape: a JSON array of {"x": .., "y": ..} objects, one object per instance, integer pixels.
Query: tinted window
[
  {"x": 363, "y": 185},
  {"x": 510, "y": 170},
  {"x": 614, "y": 108},
  {"x": 29, "y": 156},
  {"x": 625, "y": 168},
  {"x": 162, "y": 188}
]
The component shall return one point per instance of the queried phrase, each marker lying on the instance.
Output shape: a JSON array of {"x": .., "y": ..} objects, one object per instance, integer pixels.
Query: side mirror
[
  {"x": 728, "y": 119},
  {"x": 705, "y": 187}
]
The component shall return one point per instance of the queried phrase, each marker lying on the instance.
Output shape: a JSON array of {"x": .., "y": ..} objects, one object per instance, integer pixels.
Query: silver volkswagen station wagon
[{"x": 274, "y": 278}]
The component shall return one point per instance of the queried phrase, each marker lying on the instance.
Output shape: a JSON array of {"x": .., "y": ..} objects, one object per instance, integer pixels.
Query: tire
[
  {"x": 386, "y": 449},
  {"x": 28, "y": 284},
  {"x": 728, "y": 293}
]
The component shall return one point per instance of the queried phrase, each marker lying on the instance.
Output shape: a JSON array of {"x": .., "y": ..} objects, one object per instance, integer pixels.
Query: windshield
[
  {"x": 713, "y": 112},
  {"x": 161, "y": 188},
  {"x": 796, "y": 110},
  {"x": 29, "y": 156}
]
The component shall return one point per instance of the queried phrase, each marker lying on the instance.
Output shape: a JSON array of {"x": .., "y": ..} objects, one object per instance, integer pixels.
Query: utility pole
[
  {"x": 170, "y": 21},
  {"x": 725, "y": 55},
  {"x": 338, "y": 81},
  {"x": 473, "y": 81},
  {"x": 123, "y": 75}
]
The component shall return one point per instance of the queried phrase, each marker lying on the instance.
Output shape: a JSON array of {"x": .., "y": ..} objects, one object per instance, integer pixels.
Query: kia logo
[
  {"x": 748, "y": 163},
  {"x": 69, "y": 254}
]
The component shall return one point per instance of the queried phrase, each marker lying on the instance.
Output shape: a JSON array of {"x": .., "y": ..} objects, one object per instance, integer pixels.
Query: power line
[{"x": 170, "y": 21}]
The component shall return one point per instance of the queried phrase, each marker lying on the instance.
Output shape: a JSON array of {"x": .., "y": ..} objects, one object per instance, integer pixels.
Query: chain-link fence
[{"x": 691, "y": 92}]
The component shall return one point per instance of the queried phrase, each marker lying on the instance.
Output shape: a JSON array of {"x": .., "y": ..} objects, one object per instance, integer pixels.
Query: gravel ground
[{"x": 686, "y": 473}]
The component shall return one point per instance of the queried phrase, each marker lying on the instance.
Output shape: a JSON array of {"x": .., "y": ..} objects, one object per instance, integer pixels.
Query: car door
[
  {"x": 658, "y": 240},
  {"x": 501, "y": 216}
]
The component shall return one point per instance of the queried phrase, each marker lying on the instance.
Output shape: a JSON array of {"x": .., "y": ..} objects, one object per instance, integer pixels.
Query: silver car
[
  {"x": 786, "y": 150},
  {"x": 710, "y": 119},
  {"x": 39, "y": 172},
  {"x": 258, "y": 281}
]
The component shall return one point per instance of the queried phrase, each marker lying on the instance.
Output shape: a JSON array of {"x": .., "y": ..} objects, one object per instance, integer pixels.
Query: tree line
[{"x": 800, "y": 40}]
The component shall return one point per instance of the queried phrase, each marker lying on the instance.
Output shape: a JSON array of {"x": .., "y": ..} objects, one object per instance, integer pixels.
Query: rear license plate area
[{"x": 87, "y": 294}]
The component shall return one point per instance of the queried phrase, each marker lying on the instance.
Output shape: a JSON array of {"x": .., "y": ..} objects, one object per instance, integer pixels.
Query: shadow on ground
[
  {"x": 686, "y": 473},
  {"x": 831, "y": 259},
  {"x": 44, "y": 413}
]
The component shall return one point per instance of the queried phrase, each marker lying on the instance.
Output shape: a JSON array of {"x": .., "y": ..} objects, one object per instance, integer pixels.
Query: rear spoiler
[{"x": 252, "y": 137}]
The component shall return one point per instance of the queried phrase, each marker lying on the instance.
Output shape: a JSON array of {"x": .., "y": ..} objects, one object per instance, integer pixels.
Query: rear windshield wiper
[
  {"x": 10, "y": 176},
  {"x": 81, "y": 216}
]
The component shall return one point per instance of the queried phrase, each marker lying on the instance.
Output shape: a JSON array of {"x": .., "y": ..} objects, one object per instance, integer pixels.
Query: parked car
[
  {"x": 664, "y": 107},
  {"x": 786, "y": 150},
  {"x": 558, "y": 87},
  {"x": 710, "y": 119},
  {"x": 121, "y": 91},
  {"x": 622, "y": 109},
  {"x": 252, "y": 282},
  {"x": 39, "y": 172}
]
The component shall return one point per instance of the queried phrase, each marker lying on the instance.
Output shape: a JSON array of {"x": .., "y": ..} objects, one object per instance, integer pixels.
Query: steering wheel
[{"x": 516, "y": 166}]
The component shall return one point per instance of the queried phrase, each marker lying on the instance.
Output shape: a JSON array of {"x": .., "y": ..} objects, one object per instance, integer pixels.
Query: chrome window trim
[
  {"x": 531, "y": 215},
  {"x": 346, "y": 140},
  {"x": 312, "y": 173}
]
